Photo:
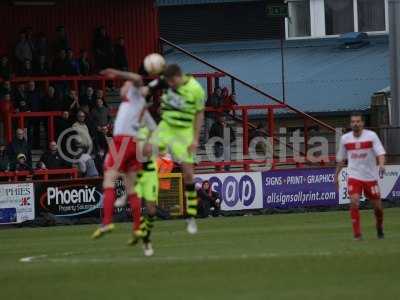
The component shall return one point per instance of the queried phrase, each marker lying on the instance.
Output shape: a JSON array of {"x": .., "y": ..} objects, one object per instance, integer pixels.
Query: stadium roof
[
  {"x": 320, "y": 77},
  {"x": 193, "y": 2}
]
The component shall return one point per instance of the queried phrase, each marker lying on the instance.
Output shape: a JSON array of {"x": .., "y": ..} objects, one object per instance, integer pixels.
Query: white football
[{"x": 154, "y": 64}]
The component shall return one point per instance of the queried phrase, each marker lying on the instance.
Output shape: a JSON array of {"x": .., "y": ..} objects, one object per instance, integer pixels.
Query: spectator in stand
[
  {"x": 33, "y": 97},
  {"x": 4, "y": 160},
  {"x": 103, "y": 50},
  {"x": 100, "y": 95},
  {"x": 218, "y": 130},
  {"x": 20, "y": 100},
  {"x": 72, "y": 102},
  {"x": 82, "y": 131},
  {"x": 42, "y": 67},
  {"x": 17, "y": 146},
  {"x": 5, "y": 88},
  {"x": 100, "y": 115},
  {"x": 23, "y": 50},
  {"x": 120, "y": 58},
  {"x": 27, "y": 69},
  {"x": 51, "y": 159},
  {"x": 5, "y": 109},
  {"x": 73, "y": 64},
  {"x": 51, "y": 102},
  {"x": 89, "y": 98},
  {"x": 61, "y": 41},
  {"x": 60, "y": 64},
  {"x": 214, "y": 101},
  {"x": 5, "y": 69},
  {"x": 84, "y": 65},
  {"x": 30, "y": 39},
  {"x": 209, "y": 201},
  {"x": 42, "y": 48},
  {"x": 63, "y": 123},
  {"x": 86, "y": 164},
  {"x": 21, "y": 163}
]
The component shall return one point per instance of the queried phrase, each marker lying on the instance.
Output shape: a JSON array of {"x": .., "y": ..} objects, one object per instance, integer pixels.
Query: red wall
[{"x": 136, "y": 20}]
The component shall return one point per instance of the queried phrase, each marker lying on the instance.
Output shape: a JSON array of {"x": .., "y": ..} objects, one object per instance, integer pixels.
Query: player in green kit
[
  {"x": 182, "y": 114},
  {"x": 147, "y": 189}
]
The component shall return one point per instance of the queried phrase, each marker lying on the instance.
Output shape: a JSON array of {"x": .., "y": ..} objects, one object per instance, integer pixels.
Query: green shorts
[
  {"x": 176, "y": 141},
  {"x": 146, "y": 185}
]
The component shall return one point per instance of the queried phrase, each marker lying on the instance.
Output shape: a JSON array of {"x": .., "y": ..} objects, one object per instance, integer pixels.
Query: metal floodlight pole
[{"x": 394, "y": 49}]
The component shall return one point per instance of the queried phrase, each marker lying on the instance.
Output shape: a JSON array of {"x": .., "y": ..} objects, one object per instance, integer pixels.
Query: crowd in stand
[{"x": 34, "y": 55}]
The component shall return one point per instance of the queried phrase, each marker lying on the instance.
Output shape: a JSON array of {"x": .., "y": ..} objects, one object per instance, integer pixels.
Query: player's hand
[
  {"x": 110, "y": 73},
  {"x": 147, "y": 149},
  {"x": 193, "y": 147},
  {"x": 382, "y": 171}
]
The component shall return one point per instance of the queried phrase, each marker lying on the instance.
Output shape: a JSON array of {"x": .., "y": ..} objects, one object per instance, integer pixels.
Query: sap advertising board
[{"x": 238, "y": 191}]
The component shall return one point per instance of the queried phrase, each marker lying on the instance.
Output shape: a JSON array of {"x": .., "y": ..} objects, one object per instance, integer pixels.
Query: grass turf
[{"x": 286, "y": 256}]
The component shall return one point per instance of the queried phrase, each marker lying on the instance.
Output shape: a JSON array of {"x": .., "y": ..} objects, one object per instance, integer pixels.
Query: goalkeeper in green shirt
[{"x": 182, "y": 114}]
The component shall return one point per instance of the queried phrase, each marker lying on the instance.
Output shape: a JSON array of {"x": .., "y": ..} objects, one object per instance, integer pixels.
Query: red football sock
[
  {"x": 108, "y": 205},
  {"x": 134, "y": 202},
  {"x": 355, "y": 219},
  {"x": 379, "y": 218}
]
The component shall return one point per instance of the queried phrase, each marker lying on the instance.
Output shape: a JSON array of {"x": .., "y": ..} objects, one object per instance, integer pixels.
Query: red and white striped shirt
[{"x": 361, "y": 153}]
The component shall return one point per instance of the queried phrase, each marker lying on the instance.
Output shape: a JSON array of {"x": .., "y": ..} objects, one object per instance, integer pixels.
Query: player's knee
[
  {"x": 355, "y": 201},
  {"x": 109, "y": 179}
]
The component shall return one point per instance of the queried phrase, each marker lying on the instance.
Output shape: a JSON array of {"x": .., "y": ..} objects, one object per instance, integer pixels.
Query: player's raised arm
[{"x": 117, "y": 74}]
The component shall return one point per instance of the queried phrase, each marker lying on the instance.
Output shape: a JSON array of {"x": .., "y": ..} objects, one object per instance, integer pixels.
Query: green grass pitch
[{"x": 281, "y": 256}]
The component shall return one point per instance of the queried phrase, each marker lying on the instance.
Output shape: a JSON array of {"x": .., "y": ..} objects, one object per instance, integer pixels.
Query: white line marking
[{"x": 29, "y": 259}]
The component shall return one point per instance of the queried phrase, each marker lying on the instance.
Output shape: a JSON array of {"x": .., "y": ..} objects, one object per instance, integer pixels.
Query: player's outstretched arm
[{"x": 114, "y": 73}]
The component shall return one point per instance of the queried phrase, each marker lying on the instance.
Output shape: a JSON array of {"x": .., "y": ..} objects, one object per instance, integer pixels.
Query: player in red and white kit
[
  {"x": 122, "y": 157},
  {"x": 366, "y": 162}
]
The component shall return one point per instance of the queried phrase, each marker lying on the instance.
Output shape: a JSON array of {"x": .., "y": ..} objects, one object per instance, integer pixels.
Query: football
[{"x": 154, "y": 64}]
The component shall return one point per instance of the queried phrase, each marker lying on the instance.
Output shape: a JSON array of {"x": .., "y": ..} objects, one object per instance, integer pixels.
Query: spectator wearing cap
[
  {"x": 120, "y": 58},
  {"x": 51, "y": 159},
  {"x": 19, "y": 145},
  {"x": 21, "y": 163},
  {"x": 5, "y": 69}
]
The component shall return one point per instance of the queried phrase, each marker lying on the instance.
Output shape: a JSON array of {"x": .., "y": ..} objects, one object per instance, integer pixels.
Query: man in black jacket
[
  {"x": 51, "y": 159},
  {"x": 19, "y": 146}
]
